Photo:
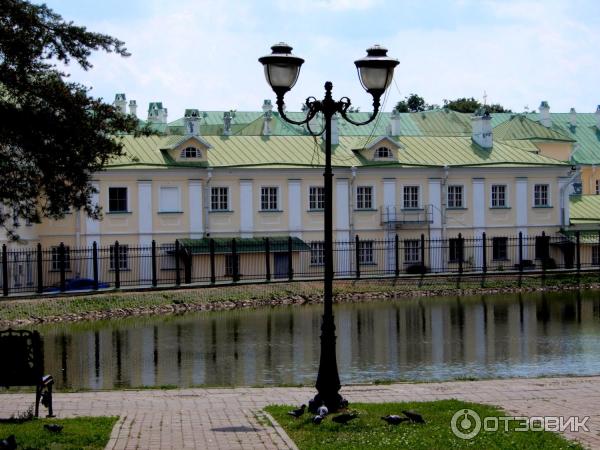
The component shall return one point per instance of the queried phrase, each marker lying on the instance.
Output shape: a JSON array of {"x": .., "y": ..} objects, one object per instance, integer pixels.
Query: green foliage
[
  {"x": 370, "y": 432},
  {"x": 83, "y": 432},
  {"x": 53, "y": 135},
  {"x": 412, "y": 103},
  {"x": 470, "y": 105}
]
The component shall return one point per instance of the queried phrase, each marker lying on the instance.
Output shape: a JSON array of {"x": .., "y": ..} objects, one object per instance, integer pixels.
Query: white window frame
[
  {"x": 315, "y": 206},
  {"x": 366, "y": 252},
  {"x": 317, "y": 253},
  {"x": 184, "y": 153},
  {"x": 506, "y": 204},
  {"x": 108, "y": 188},
  {"x": 219, "y": 199},
  {"x": 269, "y": 199},
  {"x": 548, "y": 196},
  {"x": 169, "y": 208},
  {"x": 55, "y": 260},
  {"x": 372, "y": 197},
  {"x": 412, "y": 251},
  {"x": 418, "y": 196},
  {"x": 123, "y": 257},
  {"x": 390, "y": 153},
  {"x": 463, "y": 204}
]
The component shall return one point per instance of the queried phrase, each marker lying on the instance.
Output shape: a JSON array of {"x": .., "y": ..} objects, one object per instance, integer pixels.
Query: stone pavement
[{"x": 232, "y": 418}]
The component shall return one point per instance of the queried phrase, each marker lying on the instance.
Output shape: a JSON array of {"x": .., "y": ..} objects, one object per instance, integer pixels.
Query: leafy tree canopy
[
  {"x": 412, "y": 103},
  {"x": 53, "y": 135},
  {"x": 470, "y": 105}
]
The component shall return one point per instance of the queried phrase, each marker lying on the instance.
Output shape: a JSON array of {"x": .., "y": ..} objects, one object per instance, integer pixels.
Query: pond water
[{"x": 411, "y": 339}]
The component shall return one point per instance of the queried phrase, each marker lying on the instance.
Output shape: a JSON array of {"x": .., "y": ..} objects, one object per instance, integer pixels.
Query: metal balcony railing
[{"x": 396, "y": 215}]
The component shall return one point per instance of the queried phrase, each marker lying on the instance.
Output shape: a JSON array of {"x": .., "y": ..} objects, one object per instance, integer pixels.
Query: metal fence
[{"x": 209, "y": 261}]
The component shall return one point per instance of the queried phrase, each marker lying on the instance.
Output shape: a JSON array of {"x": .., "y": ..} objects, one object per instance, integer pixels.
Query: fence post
[
  {"x": 95, "y": 264},
  {"x": 40, "y": 268},
  {"x": 397, "y": 256},
  {"x": 290, "y": 262},
  {"x": 177, "y": 265},
  {"x": 520, "y": 251},
  {"x": 61, "y": 266},
  {"x": 154, "y": 272},
  {"x": 460, "y": 252},
  {"x": 578, "y": 243},
  {"x": 484, "y": 252},
  {"x": 116, "y": 252},
  {"x": 422, "y": 254},
  {"x": 357, "y": 255},
  {"x": 234, "y": 261},
  {"x": 268, "y": 259},
  {"x": 211, "y": 249},
  {"x": 4, "y": 270}
]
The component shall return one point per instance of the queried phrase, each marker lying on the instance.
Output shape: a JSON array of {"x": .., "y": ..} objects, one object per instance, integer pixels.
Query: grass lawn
[
  {"x": 88, "y": 433},
  {"x": 368, "y": 431}
]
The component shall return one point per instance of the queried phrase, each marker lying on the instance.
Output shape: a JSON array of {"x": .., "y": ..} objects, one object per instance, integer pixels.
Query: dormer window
[
  {"x": 383, "y": 153},
  {"x": 191, "y": 152}
]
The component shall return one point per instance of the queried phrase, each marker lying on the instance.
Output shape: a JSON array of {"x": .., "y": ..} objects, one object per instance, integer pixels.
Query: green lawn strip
[
  {"x": 88, "y": 433},
  {"x": 368, "y": 431}
]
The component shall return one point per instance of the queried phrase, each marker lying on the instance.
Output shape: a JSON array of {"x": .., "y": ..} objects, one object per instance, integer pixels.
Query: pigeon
[
  {"x": 10, "y": 443},
  {"x": 54, "y": 428},
  {"x": 297, "y": 412},
  {"x": 322, "y": 411},
  {"x": 393, "y": 419},
  {"x": 318, "y": 419},
  {"x": 344, "y": 418},
  {"x": 414, "y": 416}
]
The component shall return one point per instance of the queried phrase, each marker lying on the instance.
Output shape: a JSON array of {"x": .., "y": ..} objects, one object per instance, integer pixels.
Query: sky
[{"x": 203, "y": 53}]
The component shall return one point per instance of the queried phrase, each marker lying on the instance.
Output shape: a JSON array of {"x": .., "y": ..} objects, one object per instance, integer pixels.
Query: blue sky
[{"x": 203, "y": 54}]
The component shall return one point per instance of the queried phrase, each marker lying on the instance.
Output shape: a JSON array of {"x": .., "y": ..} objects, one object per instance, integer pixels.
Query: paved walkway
[{"x": 232, "y": 418}]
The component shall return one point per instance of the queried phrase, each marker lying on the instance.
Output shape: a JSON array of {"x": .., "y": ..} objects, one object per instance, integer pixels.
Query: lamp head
[
  {"x": 376, "y": 70},
  {"x": 281, "y": 68}
]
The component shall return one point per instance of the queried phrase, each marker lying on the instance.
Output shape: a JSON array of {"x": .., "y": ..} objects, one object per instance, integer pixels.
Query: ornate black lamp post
[{"x": 375, "y": 72}]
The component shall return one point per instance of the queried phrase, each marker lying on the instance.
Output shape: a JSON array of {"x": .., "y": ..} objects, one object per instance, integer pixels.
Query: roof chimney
[
  {"x": 191, "y": 122},
  {"x": 156, "y": 113},
  {"x": 267, "y": 108},
  {"x": 227, "y": 118},
  {"x": 120, "y": 103},
  {"x": 482, "y": 130},
  {"x": 573, "y": 117},
  {"x": 335, "y": 132},
  {"x": 597, "y": 114},
  {"x": 395, "y": 123},
  {"x": 545, "y": 114},
  {"x": 133, "y": 108}
]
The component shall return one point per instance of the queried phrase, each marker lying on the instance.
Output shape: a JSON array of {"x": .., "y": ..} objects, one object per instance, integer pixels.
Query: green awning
[{"x": 243, "y": 245}]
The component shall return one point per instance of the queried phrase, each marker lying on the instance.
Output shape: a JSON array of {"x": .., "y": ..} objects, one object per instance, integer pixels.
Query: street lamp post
[{"x": 375, "y": 72}]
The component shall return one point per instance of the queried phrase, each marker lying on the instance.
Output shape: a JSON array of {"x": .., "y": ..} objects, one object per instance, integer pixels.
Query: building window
[
  {"x": 117, "y": 199},
  {"x": 219, "y": 198},
  {"x": 56, "y": 258},
  {"x": 191, "y": 152},
  {"x": 596, "y": 255},
  {"x": 167, "y": 257},
  {"x": 411, "y": 197},
  {"x": 597, "y": 187},
  {"x": 455, "y": 196},
  {"x": 455, "y": 250},
  {"x": 364, "y": 197},
  {"x": 317, "y": 253},
  {"x": 316, "y": 197},
  {"x": 412, "y": 251},
  {"x": 542, "y": 247},
  {"x": 268, "y": 198},
  {"x": 499, "y": 196},
  {"x": 229, "y": 265},
  {"x": 540, "y": 195},
  {"x": 365, "y": 252},
  {"x": 500, "y": 248},
  {"x": 169, "y": 199},
  {"x": 123, "y": 257},
  {"x": 383, "y": 152}
]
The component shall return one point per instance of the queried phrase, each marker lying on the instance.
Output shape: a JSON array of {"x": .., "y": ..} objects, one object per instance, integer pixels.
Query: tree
[
  {"x": 53, "y": 135},
  {"x": 470, "y": 105},
  {"x": 412, "y": 103}
]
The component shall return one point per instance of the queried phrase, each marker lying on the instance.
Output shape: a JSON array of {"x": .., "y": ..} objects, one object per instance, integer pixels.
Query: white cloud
[{"x": 329, "y": 5}]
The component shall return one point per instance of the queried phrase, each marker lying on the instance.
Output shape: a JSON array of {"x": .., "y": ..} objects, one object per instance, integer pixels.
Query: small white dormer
[
  {"x": 381, "y": 149},
  {"x": 192, "y": 149}
]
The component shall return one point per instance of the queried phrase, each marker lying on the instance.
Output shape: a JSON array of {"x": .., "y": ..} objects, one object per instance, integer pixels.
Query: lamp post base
[{"x": 334, "y": 403}]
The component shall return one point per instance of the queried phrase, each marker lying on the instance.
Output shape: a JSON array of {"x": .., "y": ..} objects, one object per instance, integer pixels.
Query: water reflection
[{"x": 417, "y": 339}]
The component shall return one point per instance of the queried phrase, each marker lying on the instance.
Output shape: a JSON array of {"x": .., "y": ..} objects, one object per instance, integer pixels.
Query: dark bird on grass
[
  {"x": 322, "y": 411},
  {"x": 414, "y": 416},
  {"x": 297, "y": 412},
  {"x": 393, "y": 419},
  {"x": 318, "y": 419},
  {"x": 54, "y": 428},
  {"x": 10, "y": 443},
  {"x": 344, "y": 418}
]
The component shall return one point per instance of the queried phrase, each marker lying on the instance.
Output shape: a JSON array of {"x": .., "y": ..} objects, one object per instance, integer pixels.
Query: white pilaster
[
  {"x": 145, "y": 216},
  {"x": 436, "y": 249},
  {"x": 522, "y": 203},
  {"x": 92, "y": 227},
  {"x": 565, "y": 212},
  {"x": 295, "y": 208},
  {"x": 479, "y": 208},
  {"x": 195, "y": 209},
  {"x": 342, "y": 226},
  {"x": 246, "y": 209},
  {"x": 389, "y": 201}
]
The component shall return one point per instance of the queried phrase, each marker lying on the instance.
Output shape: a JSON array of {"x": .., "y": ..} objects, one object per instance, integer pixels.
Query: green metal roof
[
  {"x": 585, "y": 209},
  {"x": 244, "y": 245},
  {"x": 520, "y": 127}
]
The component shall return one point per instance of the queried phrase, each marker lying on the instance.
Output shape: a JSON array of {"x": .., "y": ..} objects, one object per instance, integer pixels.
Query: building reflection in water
[{"x": 414, "y": 339}]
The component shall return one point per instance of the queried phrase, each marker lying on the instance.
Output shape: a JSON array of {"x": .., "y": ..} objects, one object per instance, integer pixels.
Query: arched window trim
[
  {"x": 383, "y": 152},
  {"x": 191, "y": 152}
]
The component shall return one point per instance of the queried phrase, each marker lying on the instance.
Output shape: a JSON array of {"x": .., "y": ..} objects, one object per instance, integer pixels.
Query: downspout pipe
[
  {"x": 351, "y": 201},
  {"x": 576, "y": 172},
  {"x": 209, "y": 173}
]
